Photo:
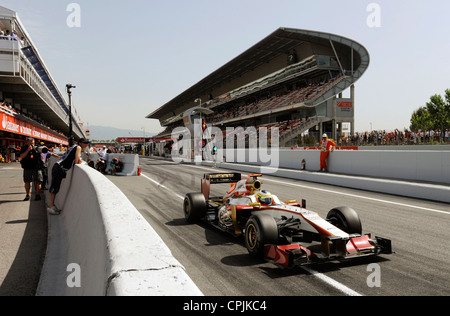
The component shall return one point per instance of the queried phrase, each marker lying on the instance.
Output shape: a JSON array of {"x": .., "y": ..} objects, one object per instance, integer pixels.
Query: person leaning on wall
[
  {"x": 59, "y": 171},
  {"x": 326, "y": 146},
  {"x": 45, "y": 156}
]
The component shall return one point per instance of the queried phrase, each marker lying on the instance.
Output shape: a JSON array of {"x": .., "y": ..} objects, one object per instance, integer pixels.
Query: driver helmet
[{"x": 265, "y": 197}]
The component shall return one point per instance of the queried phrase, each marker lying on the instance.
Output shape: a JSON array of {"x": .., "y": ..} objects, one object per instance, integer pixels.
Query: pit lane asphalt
[{"x": 220, "y": 265}]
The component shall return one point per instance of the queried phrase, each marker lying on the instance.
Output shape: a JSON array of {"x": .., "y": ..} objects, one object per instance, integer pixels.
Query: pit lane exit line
[{"x": 339, "y": 286}]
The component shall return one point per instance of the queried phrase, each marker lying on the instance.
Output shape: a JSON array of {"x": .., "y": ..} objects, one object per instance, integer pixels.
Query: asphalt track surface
[{"x": 220, "y": 265}]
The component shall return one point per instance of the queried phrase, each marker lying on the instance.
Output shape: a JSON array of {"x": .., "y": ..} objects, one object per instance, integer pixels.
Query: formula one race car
[{"x": 278, "y": 231}]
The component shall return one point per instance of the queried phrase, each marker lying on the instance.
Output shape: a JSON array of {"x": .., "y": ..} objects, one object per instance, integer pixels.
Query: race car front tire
[
  {"x": 346, "y": 219},
  {"x": 194, "y": 207},
  {"x": 260, "y": 230}
]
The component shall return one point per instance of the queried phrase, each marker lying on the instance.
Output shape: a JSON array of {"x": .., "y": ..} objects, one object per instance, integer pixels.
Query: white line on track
[
  {"x": 363, "y": 197},
  {"x": 339, "y": 286},
  {"x": 162, "y": 186}
]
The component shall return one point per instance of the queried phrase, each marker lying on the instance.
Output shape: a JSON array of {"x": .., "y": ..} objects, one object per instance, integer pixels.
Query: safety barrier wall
[
  {"x": 430, "y": 166},
  {"x": 421, "y": 174},
  {"x": 130, "y": 163},
  {"x": 102, "y": 236}
]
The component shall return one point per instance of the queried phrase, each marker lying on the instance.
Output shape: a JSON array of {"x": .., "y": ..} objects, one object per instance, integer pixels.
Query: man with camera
[{"x": 30, "y": 159}]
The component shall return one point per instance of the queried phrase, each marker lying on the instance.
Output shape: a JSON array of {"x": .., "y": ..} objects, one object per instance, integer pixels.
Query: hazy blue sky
[{"x": 130, "y": 57}]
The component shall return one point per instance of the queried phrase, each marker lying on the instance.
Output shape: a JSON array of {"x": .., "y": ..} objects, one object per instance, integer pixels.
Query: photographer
[
  {"x": 30, "y": 159},
  {"x": 116, "y": 166}
]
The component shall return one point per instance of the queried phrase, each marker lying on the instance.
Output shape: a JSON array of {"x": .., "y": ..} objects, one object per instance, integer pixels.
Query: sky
[{"x": 128, "y": 58}]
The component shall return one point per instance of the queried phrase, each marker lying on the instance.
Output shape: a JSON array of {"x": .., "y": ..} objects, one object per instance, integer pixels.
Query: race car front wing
[{"x": 332, "y": 248}]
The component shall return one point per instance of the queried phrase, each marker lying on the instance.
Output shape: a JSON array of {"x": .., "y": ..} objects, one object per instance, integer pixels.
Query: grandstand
[
  {"x": 293, "y": 79},
  {"x": 32, "y": 104}
]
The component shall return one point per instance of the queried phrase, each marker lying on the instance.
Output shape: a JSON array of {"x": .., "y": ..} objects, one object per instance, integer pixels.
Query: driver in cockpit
[{"x": 265, "y": 197}]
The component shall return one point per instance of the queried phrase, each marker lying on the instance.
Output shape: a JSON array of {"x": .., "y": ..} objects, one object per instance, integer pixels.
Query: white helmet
[
  {"x": 325, "y": 136},
  {"x": 265, "y": 197}
]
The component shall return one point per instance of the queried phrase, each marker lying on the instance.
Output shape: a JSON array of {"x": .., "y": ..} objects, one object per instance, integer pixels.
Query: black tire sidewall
[
  {"x": 194, "y": 207},
  {"x": 266, "y": 230},
  {"x": 347, "y": 218}
]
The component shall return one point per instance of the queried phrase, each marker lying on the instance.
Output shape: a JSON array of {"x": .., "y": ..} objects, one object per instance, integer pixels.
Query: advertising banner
[
  {"x": 131, "y": 140},
  {"x": 14, "y": 125},
  {"x": 344, "y": 108}
]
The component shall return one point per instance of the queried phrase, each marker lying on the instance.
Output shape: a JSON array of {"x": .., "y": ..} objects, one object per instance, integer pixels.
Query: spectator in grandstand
[
  {"x": 31, "y": 164},
  {"x": 2, "y": 33},
  {"x": 292, "y": 58},
  {"x": 59, "y": 171},
  {"x": 326, "y": 145}
]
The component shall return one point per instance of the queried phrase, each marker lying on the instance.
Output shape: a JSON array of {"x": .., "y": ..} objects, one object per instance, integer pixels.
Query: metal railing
[{"x": 22, "y": 68}]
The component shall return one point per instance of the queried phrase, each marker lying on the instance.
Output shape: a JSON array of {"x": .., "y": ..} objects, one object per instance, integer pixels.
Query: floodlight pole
[{"x": 69, "y": 93}]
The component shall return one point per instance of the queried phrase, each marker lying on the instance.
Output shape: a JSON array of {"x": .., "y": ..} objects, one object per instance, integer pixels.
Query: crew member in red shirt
[{"x": 326, "y": 145}]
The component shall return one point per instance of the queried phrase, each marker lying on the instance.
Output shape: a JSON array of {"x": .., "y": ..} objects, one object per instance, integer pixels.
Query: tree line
[{"x": 435, "y": 115}]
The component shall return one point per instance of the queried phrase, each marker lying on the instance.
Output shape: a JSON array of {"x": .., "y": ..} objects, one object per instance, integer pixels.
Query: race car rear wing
[
  {"x": 222, "y": 177},
  {"x": 215, "y": 178}
]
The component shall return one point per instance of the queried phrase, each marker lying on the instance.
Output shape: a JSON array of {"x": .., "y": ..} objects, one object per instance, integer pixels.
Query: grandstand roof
[
  {"x": 280, "y": 42},
  {"x": 29, "y": 98}
]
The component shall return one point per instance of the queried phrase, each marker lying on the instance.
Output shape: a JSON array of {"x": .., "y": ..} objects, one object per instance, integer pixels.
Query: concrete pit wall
[
  {"x": 428, "y": 166},
  {"x": 101, "y": 239}
]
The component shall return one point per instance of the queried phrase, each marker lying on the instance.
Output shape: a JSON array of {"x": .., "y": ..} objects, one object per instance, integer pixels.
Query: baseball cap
[{"x": 84, "y": 140}]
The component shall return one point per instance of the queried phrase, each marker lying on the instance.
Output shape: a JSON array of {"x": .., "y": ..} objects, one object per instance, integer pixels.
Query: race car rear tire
[
  {"x": 260, "y": 230},
  {"x": 194, "y": 207},
  {"x": 346, "y": 219}
]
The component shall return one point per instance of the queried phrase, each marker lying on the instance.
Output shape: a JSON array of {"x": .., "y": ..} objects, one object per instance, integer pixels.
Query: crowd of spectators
[
  {"x": 397, "y": 137},
  {"x": 11, "y": 36},
  {"x": 6, "y": 107}
]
